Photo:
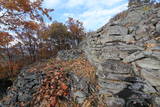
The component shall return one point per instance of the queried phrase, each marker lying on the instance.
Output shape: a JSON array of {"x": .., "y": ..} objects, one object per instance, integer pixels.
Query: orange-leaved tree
[
  {"x": 58, "y": 34},
  {"x": 18, "y": 14},
  {"x": 5, "y": 55},
  {"x": 20, "y": 19},
  {"x": 55, "y": 36},
  {"x": 76, "y": 28}
]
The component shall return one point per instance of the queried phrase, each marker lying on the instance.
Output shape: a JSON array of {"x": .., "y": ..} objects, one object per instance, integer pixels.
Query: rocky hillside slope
[
  {"x": 120, "y": 67},
  {"x": 126, "y": 53},
  {"x": 65, "y": 81}
]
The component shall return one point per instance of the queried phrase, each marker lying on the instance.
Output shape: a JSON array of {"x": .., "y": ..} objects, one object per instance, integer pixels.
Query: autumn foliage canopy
[
  {"x": 17, "y": 18},
  {"x": 17, "y": 15},
  {"x": 24, "y": 34}
]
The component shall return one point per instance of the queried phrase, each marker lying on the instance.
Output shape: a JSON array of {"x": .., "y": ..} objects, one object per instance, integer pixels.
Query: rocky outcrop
[
  {"x": 126, "y": 53},
  {"x": 37, "y": 84},
  {"x": 81, "y": 88},
  {"x": 23, "y": 88}
]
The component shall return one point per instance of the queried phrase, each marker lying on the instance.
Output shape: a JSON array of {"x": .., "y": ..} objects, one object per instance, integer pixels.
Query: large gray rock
[
  {"x": 133, "y": 17},
  {"x": 141, "y": 30},
  {"x": 110, "y": 87},
  {"x": 124, "y": 38},
  {"x": 117, "y": 30},
  {"x": 149, "y": 63},
  {"x": 157, "y": 102},
  {"x": 111, "y": 76},
  {"x": 79, "y": 96},
  {"x": 158, "y": 27},
  {"x": 80, "y": 88},
  {"x": 134, "y": 56},
  {"x": 158, "y": 14},
  {"x": 111, "y": 54},
  {"x": 114, "y": 102},
  {"x": 154, "y": 54},
  {"x": 115, "y": 66},
  {"x": 153, "y": 76},
  {"x": 115, "y": 78}
]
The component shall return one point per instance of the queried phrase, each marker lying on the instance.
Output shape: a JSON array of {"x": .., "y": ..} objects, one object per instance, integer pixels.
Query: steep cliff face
[{"x": 126, "y": 52}]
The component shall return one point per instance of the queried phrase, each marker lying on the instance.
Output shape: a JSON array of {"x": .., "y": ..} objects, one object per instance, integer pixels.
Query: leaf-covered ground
[{"x": 55, "y": 90}]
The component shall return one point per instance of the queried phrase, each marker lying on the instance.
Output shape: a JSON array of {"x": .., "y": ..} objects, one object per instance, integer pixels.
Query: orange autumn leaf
[
  {"x": 64, "y": 86},
  {"x": 53, "y": 101},
  {"x": 31, "y": 25},
  {"x": 5, "y": 38}
]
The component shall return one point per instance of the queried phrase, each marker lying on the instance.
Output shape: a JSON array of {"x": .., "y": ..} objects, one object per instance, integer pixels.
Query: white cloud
[
  {"x": 69, "y": 15},
  {"x": 51, "y": 3},
  {"x": 95, "y": 18},
  {"x": 94, "y": 13},
  {"x": 73, "y": 3},
  {"x": 103, "y": 12},
  {"x": 91, "y": 3}
]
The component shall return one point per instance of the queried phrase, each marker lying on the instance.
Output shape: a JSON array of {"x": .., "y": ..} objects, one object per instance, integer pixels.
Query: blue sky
[{"x": 93, "y": 13}]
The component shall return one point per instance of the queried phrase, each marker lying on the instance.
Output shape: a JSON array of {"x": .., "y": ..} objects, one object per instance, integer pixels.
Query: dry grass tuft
[{"x": 80, "y": 67}]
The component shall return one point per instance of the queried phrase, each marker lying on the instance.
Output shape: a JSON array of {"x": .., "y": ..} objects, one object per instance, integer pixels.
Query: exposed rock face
[
  {"x": 126, "y": 53},
  {"x": 23, "y": 88},
  {"x": 80, "y": 88}
]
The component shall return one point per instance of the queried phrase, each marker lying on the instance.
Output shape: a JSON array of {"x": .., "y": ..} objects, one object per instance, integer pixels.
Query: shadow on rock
[
  {"x": 4, "y": 84},
  {"x": 133, "y": 94}
]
